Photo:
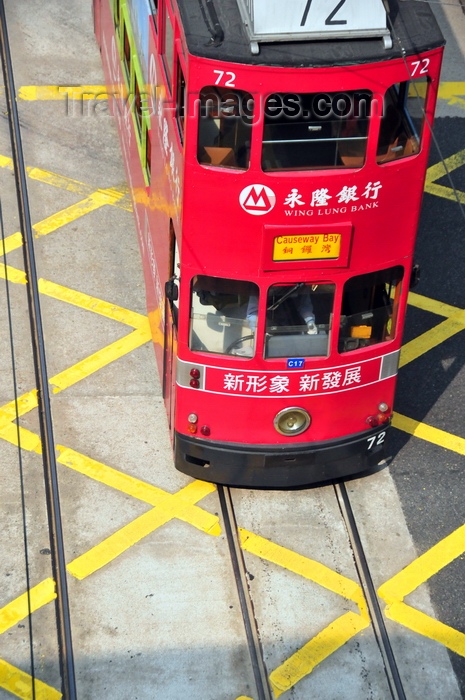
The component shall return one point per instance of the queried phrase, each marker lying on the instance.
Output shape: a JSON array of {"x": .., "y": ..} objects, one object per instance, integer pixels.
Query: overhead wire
[{"x": 20, "y": 456}]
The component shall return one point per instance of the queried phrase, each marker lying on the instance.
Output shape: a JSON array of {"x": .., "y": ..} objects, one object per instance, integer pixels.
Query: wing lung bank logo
[{"x": 257, "y": 199}]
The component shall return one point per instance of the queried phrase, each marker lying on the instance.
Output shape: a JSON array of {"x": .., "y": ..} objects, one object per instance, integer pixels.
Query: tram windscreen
[
  {"x": 370, "y": 306},
  {"x": 402, "y": 122},
  {"x": 225, "y": 127},
  {"x": 316, "y": 130},
  {"x": 298, "y": 319},
  {"x": 223, "y": 316}
]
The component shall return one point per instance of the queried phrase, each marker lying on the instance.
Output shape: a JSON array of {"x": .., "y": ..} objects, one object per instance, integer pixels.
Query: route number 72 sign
[{"x": 316, "y": 17}]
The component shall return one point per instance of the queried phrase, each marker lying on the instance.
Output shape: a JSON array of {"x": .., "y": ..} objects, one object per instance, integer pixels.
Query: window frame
[{"x": 354, "y": 160}]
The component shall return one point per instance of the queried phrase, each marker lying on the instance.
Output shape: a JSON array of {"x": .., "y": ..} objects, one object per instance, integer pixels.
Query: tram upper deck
[{"x": 414, "y": 31}]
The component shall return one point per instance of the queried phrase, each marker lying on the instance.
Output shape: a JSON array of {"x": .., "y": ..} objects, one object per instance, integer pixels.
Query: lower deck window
[
  {"x": 219, "y": 309},
  {"x": 369, "y": 309},
  {"x": 298, "y": 320}
]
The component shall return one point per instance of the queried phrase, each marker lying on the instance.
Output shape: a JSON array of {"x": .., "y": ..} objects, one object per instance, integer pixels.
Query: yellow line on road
[
  {"x": 431, "y": 339},
  {"x": 97, "y": 306},
  {"x": 179, "y": 505},
  {"x": 303, "y": 566},
  {"x": 334, "y": 635},
  {"x": 432, "y": 305},
  {"x": 9, "y": 430},
  {"x": 66, "y": 216},
  {"x": 114, "y": 351},
  {"x": 71, "y": 185},
  {"x": 442, "y": 169},
  {"x": 32, "y": 93},
  {"x": 453, "y": 92},
  {"x": 429, "y": 434},
  {"x": 13, "y": 613},
  {"x": 12, "y": 274},
  {"x": 411, "y": 577},
  {"x": 327, "y": 642},
  {"x": 70, "y": 214},
  {"x": 19, "y": 683}
]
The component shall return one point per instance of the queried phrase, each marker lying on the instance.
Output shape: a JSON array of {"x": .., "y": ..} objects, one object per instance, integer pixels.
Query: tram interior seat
[
  {"x": 397, "y": 149},
  {"x": 297, "y": 345},
  {"x": 293, "y": 146},
  {"x": 220, "y": 155}
]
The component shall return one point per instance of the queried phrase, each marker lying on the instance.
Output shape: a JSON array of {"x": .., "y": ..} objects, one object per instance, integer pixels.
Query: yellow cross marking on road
[
  {"x": 442, "y": 169},
  {"x": 394, "y": 591},
  {"x": 119, "y": 196},
  {"x": 329, "y": 640},
  {"x": 454, "y": 323},
  {"x": 20, "y": 683},
  {"x": 13, "y": 679}
]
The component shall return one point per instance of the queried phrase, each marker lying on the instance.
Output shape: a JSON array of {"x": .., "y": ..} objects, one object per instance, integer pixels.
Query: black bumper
[{"x": 262, "y": 466}]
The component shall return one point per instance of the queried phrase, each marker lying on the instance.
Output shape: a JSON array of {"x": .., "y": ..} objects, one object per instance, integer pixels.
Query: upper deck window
[
  {"x": 315, "y": 130},
  {"x": 403, "y": 118},
  {"x": 225, "y": 122}
]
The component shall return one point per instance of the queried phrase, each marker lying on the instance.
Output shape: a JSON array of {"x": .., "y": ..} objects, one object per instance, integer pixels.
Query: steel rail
[
  {"x": 240, "y": 574},
  {"x": 382, "y": 637},
  {"x": 45, "y": 416}
]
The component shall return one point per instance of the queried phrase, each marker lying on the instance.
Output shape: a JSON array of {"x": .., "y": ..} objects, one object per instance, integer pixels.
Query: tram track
[
  {"x": 362, "y": 567},
  {"x": 55, "y": 525}
]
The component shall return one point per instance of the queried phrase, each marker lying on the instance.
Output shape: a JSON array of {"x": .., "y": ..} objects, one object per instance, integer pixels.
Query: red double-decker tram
[{"x": 276, "y": 158}]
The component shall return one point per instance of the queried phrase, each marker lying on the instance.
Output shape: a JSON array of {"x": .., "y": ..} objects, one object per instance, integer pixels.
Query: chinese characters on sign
[
  {"x": 260, "y": 199},
  {"x": 317, "y": 246},
  {"x": 279, "y": 384},
  {"x": 296, "y": 383},
  {"x": 351, "y": 198}
]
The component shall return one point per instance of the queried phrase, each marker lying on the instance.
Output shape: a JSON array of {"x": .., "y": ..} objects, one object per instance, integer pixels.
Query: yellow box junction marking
[
  {"x": 441, "y": 169},
  {"x": 19, "y": 609},
  {"x": 455, "y": 322},
  {"x": 335, "y": 635},
  {"x": 183, "y": 504},
  {"x": 419, "y": 571},
  {"x": 121, "y": 194},
  {"x": 19, "y": 683},
  {"x": 12, "y": 679}
]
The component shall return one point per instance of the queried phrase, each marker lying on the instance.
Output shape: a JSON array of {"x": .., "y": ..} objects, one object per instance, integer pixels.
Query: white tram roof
[{"x": 414, "y": 29}]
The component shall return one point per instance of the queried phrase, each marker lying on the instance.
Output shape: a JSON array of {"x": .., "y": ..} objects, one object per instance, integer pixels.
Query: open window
[
  {"x": 402, "y": 122},
  {"x": 180, "y": 100},
  {"x": 315, "y": 130},
  {"x": 298, "y": 319},
  {"x": 219, "y": 310},
  {"x": 168, "y": 48},
  {"x": 370, "y": 306},
  {"x": 225, "y": 124},
  {"x": 172, "y": 285},
  {"x": 154, "y": 8},
  {"x": 126, "y": 54},
  {"x": 115, "y": 6}
]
